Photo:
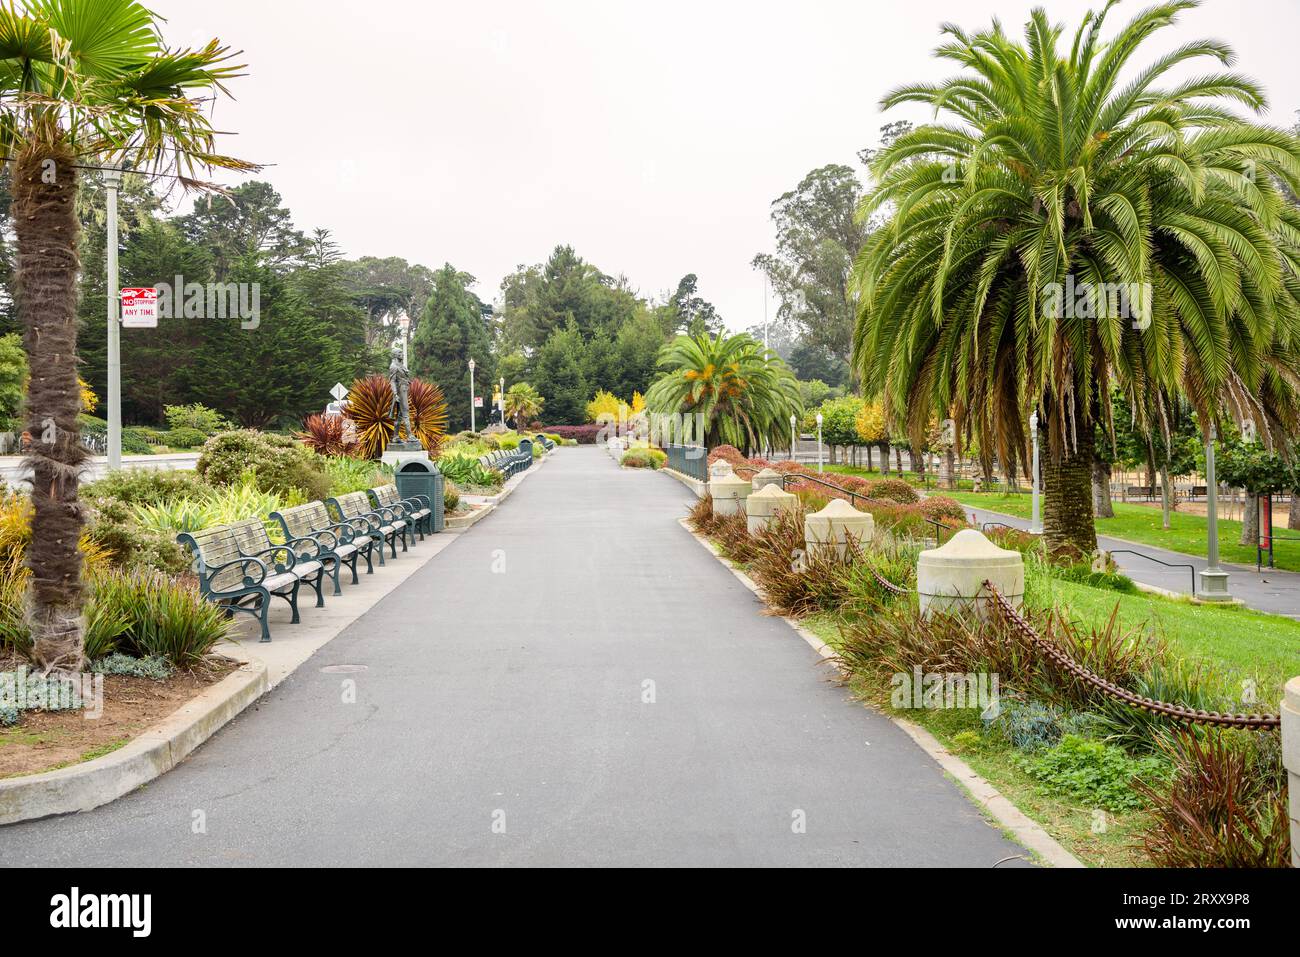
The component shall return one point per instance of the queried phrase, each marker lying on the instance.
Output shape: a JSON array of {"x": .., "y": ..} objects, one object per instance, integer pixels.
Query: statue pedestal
[{"x": 399, "y": 452}]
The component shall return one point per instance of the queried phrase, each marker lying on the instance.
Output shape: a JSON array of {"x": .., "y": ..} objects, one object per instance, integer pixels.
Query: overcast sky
[{"x": 652, "y": 136}]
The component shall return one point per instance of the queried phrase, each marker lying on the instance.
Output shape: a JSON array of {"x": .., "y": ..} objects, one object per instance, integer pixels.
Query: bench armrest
[{"x": 207, "y": 572}]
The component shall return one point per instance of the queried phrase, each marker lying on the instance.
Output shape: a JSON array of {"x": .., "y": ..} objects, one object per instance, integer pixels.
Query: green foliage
[
  {"x": 279, "y": 464},
  {"x": 1094, "y": 772},
  {"x": 453, "y": 329},
  {"x": 1251, "y": 466},
  {"x": 355, "y": 475},
  {"x": 168, "y": 618},
  {"x": 450, "y": 496},
  {"x": 523, "y": 404},
  {"x": 194, "y": 417},
  {"x": 222, "y": 505},
  {"x": 644, "y": 459},
  {"x": 840, "y": 420},
  {"x": 1033, "y": 726},
  {"x": 559, "y": 376},
  {"x": 135, "y": 441},
  {"x": 13, "y": 376},
  {"x": 145, "y": 486},
  {"x": 183, "y": 438},
  {"x": 465, "y": 471}
]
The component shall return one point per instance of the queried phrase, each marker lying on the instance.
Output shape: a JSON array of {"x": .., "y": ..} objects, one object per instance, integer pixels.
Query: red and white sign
[
  {"x": 139, "y": 308},
  {"x": 478, "y": 401}
]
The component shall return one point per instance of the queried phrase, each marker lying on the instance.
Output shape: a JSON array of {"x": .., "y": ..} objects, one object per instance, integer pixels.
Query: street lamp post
[
  {"x": 1036, "y": 522},
  {"x": 794, "y": 424},
  {"x": 503, "y": 402},
  {"x": 1214, "y": 580},
  {"x": 819, "y": 442},
  {"x": 471, "y": 396},
  {"x": 112, "y": 180}
]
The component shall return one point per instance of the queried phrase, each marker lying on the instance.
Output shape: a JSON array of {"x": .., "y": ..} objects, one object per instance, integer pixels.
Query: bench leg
[
  {"x": 351, "y": 562},
  {"x": 334, "y": 573},
  {"x": 318, "y": 583},
  {"x": 369, "y": 553},
  {"x": 379, "y": 540},
  {"x": 392, "y": 542},
  {"x": 263, "y": 614}
]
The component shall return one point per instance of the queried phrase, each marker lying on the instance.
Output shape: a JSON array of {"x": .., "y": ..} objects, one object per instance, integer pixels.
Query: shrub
[
  {"x": 136, "y": 442},
  {"x": 279, "y": 464},
  {"x": 168, "y": 617},
  {"x": 112, "y": 524},
  {"x": 145, "y": 486},
  {"x": 896, "y": 490},
  {"x": 940, "y": 508},
  {"x": 450, "y": 496},
  {"x": 1034, "y": 725},
  {"x": 221, "y": 506},
  {"x": 1097, "y": 773},
  {"x": 1225, "y": 805},
  {"x": 468, "y": 471},
  {"x": 728, "y": 453},
  {"x": 195, "y": 416},
  {"x": 183, "y": 438},
  {"x": 644, "y": 459},
  {"x": 581, "y": 434},
  {"x": 155, "y": 669},
  {"x": 355, "y": 475}
]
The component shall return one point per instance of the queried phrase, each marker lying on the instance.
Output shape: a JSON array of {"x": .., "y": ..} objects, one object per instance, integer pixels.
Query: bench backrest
[
  {"x": 387, "y": 495},
  {"x": 215, "y": 546},
  {"x": 302, "y": 520},
  {"x": 250, "y": 536},
  {"x": 354, "y": 504}
]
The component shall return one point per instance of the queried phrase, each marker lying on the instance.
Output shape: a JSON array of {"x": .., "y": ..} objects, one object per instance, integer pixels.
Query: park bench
[
  {"x": 298, "y": 556},
  {"x": 507, "y": 462},
  {"x": 545, "y": 442},
  {"x": 339, "y": 543},
  {"x": 417, "y": 509},
  {"x": 381, "y": 526},
  {"x": 235, "y": 581},
  {"x": 1142, "y": 491}
]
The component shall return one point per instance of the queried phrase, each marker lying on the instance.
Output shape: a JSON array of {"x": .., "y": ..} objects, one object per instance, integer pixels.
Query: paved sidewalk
[
  {"x": 1272, "y": 590},
  {"x": 503, "y": 720}
]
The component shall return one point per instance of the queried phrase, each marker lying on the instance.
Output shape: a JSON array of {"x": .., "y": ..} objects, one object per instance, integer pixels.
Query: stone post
[
  {"x": 1291, "y": 758},
  {"x": 765, "y": 504},
  {"x": 729, "y": 493},
  {"x": 951, "y": 579},
  {"x": 720, "y": 468},
  {"x": 832, "y": 527},
  {"x": 767, "y": 477}
]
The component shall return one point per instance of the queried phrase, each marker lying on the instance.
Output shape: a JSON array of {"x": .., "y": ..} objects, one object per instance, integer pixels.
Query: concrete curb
[
  {"x": 156, "y": 751},
  {"x": 701, "y": 489},
  {"x": 1024, "y": 829}
]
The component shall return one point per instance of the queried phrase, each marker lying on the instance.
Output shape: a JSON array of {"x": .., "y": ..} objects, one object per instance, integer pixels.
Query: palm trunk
[
  {"x": 884, "y": 459},
  {"x": 1068, "y": 527},
  {"x": 1166, "y": 495},
  {"x": 1250, "y": 521},
  {"x": 44, "y": 194},
  {"x": 1293, "y": 514},
  {"x": 918, "y": 462},
  {"x": 1101, "y": 506},
  {"x": 950, "y": 464}
]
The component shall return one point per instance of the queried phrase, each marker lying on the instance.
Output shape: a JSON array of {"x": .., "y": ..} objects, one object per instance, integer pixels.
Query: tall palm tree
[
  {"x": 744, "y": 393},
  {"x": 1160, "y": 209},
  {"x": 523, "y": 404},
  {"x": 82, "y": 82}
]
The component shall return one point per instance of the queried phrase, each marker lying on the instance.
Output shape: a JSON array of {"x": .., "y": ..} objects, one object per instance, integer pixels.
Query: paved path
[
  {"x": 1272, "y": 590},
  {"x": 13, "y": 473},
  {"x": 515, "y": 696}
]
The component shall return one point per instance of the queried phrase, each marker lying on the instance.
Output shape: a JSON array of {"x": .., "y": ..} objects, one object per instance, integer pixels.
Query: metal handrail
[{"x": 1190, "y": 567}]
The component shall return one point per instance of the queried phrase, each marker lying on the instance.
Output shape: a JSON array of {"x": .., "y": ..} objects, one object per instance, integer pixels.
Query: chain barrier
[{"x": 1253, "y": 722}]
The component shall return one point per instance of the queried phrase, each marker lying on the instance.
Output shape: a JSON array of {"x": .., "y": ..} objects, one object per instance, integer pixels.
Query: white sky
[{"x": 652, "y": 136}]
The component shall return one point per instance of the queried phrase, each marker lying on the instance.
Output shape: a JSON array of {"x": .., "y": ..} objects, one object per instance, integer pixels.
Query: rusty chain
[{"x": 1253, "y": 722}]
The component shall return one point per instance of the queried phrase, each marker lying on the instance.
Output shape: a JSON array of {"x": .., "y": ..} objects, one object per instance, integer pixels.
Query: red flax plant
[
  {"x": 326, "y": 435},
  {"x": 82, "y": 82}
]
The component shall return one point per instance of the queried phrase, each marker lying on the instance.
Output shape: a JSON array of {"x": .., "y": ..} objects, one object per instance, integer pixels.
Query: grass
[
  {"x": 1233, "y": 642},
  {"x": 1142, "y": 524}
]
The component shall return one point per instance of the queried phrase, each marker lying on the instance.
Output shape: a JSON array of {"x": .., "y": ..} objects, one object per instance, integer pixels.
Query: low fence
[{"x": 691, "y": 460}]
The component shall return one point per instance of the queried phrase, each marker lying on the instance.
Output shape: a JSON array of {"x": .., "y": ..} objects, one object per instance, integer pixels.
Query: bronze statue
[{"x": 400, "y": 377}]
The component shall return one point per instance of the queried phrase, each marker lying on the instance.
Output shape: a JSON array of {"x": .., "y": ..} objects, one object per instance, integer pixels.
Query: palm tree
[
  {"x": 523, "y": 404},
  {"x": 81, "y": 81},
  {"x": 744, "y": 393},
  {"x": 1065, "y": 232}
]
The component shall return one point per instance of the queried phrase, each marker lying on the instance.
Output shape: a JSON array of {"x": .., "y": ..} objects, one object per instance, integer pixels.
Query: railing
[
  {"x": 1151, "y": 558},
  {"x": 691, "y": 460}
]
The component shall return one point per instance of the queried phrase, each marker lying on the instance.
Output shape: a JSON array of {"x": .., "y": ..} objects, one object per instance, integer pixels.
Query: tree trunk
[
  {"x": 45, "y": 220},
  {"x": 1293, "y": 514},
  {"x": 950, "y": 462},
  {"x": 917, "y": 458},
  {"x": 1166, "y": 495},
  {"x": 1068, "y": 527},
  {"x": 1250, "y": 521},
  {"x": 898, "y": 460},
  {"x": 1101, "y": 506},
  {"x": 884, "y": 458}
]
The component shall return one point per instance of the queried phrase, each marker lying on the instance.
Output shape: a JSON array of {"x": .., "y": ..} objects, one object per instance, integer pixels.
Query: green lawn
[
  {"x": 1234, "y": 643},
  {"x": 1142, "y": 524}
]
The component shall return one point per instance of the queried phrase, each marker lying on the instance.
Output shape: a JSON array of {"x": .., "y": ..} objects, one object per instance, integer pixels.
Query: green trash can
[{"x": 421, "y": 477}]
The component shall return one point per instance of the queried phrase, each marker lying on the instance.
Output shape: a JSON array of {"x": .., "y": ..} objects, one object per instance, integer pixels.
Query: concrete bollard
[
  {"x": 767, "y": 477},
  {"x": 951, "y": 578},
  {"x": 729, "y": 493},
  {"x": 833, "y": 527},
  {"x": 765, "y": 504},
  {"x": 1291, "y": 759},
  {"x": 720, "y": 468}
]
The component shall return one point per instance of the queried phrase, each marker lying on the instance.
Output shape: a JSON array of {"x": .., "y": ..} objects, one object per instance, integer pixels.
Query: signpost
[{"x": 139, "y": 308}]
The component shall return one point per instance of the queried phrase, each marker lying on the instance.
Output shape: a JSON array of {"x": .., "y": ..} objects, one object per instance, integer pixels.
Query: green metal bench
[
  {"x": 339, "y": 544},
  {"x": 235, "y": 581},
  {"x": 298, "y": 556},
  {"x": 545, "y": 442},
  {"x": 417, "y": 510},
  {"x": 381, "y": 526}
]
